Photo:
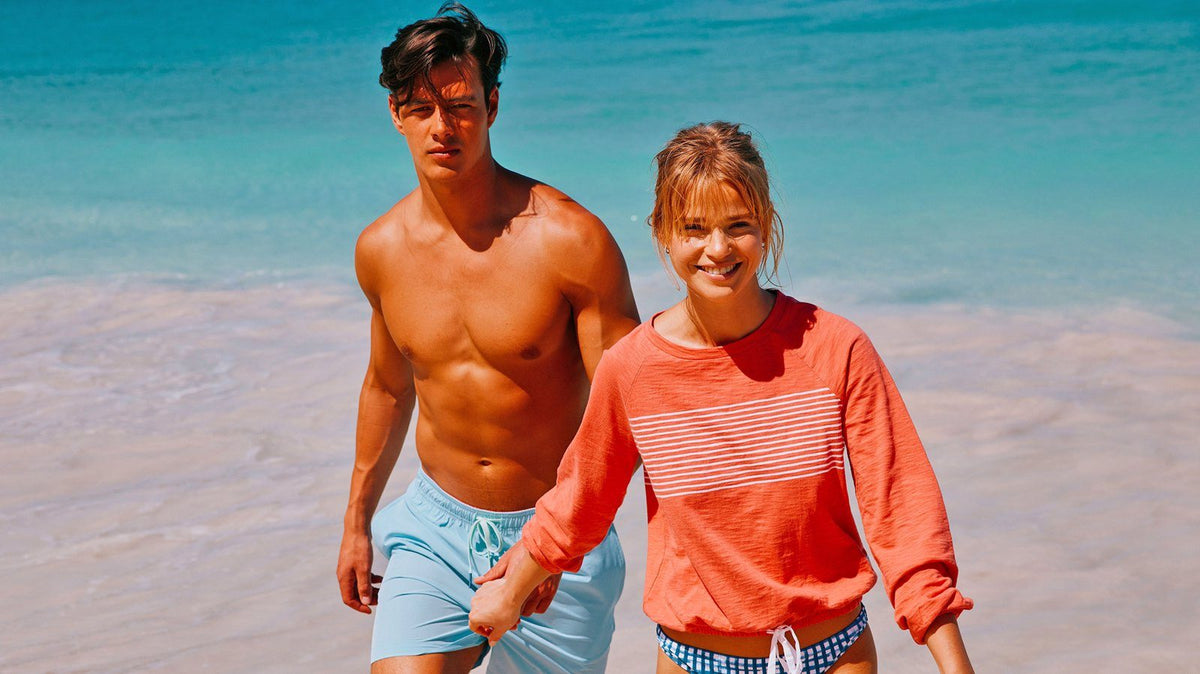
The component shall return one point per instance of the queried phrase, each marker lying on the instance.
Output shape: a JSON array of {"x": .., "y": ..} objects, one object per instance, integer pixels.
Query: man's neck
[{"x": 467, "y": 203}]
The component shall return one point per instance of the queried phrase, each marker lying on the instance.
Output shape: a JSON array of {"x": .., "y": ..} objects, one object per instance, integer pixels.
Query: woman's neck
[{"x": 704, "y": 323}]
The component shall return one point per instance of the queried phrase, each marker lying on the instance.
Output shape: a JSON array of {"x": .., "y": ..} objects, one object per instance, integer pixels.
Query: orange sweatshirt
[{"x": 744, "y": 445}]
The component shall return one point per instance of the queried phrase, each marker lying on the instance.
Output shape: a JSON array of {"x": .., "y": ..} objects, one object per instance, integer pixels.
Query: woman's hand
[
  {"x": 539, "y": 600},
  {"x": 495, "y": 610},
  {"x": 507, "y": 590}
]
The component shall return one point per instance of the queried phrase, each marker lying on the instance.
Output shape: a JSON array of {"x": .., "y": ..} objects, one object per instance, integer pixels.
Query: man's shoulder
[
  {"x": 388, "y": 227},
  {"x": 573, "y": 240},
  {"x": 561, "y": 219},
  {"x": 386, "y": 233}
]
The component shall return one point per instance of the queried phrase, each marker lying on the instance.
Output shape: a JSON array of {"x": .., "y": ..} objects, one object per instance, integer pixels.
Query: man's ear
[
  {"x": 493, "y": 104},
  {"x": 394, "y": 109}
]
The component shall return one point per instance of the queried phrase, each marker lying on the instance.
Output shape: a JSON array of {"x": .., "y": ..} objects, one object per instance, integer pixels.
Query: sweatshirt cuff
[
  {"x": 540, "y": 545},
  {"x": 952, "y": 602}
]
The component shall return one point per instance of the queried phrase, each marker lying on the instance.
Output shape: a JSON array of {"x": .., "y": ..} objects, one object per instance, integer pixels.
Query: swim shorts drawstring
[
  {"x": 786, "y": 651},
  {"x": 485, "y": 541}
]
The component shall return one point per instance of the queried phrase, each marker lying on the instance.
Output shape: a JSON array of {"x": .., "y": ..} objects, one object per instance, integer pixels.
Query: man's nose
[{"x": 443, "y": 122}]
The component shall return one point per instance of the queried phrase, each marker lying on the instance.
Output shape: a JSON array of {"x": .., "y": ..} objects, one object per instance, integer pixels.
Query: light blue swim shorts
[{"x": 436, "y": 545}]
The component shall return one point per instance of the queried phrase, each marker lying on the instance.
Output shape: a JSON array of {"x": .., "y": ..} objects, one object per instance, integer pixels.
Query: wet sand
[{"x": 178, "y": 459}]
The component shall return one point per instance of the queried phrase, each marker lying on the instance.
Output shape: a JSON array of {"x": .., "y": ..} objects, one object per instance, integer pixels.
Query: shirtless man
[{"x": 493, "y": 297}]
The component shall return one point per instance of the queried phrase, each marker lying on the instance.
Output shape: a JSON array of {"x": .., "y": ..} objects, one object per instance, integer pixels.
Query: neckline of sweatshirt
[{"x": 747, "y": 344}]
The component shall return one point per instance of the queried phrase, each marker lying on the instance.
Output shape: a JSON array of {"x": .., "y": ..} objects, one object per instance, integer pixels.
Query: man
[{"x": 493, "y": 297}]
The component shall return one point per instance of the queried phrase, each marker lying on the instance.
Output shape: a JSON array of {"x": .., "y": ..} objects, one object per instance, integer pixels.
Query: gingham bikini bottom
[{"x": 788, "y": 658}]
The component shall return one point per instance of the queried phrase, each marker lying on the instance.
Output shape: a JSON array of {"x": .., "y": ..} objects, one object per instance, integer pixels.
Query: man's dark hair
[{"x": 455, "y": 34}]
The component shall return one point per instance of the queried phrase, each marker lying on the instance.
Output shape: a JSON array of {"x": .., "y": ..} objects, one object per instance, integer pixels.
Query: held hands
[
  {"x": 357, "y": 583},
  {"x": 494, "y": 610},
  {"x": 500, "y": 602},
  {"x": 538, "y": 600}
]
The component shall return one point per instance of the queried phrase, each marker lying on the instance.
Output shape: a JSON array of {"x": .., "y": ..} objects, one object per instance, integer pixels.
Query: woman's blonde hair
[{"x": 691, "y": 170}]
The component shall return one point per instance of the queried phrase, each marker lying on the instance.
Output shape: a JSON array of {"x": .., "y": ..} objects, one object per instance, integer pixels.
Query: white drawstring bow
[{"x": 786, "y": 651}]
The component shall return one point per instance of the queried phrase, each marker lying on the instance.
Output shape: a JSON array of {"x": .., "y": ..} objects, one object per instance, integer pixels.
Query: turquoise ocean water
[{"x": 987, "y": 153}]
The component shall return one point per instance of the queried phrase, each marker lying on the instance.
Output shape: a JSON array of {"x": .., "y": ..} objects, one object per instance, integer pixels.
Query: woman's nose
[{"x": 718, "y": 243}]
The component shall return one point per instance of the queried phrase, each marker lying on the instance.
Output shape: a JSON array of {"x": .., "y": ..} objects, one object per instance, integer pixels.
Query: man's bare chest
[{"x": 497, "y": 314}]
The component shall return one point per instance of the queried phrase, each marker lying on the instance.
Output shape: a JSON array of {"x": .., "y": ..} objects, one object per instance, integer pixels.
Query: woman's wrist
[
  {"x": 524, "y": 574},
  {"x": 945, "y": 643}
]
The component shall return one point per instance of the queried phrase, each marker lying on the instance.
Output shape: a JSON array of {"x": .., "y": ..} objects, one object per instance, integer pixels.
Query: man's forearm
[{"x": 383, "y": 420}]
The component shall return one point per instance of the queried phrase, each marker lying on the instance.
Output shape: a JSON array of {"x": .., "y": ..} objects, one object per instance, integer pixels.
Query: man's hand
[
  {"x": 355, "y": 579},
  {"x": 538, "y": 600}
]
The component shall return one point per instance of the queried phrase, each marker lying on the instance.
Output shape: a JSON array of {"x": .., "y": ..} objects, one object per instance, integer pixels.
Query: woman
[{"x": 741, "y": 403}]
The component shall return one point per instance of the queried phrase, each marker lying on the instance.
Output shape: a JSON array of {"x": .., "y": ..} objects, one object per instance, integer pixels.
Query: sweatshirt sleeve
[
  {"x": 899, "y": 498},
  {"x": 574, "y": 516}
]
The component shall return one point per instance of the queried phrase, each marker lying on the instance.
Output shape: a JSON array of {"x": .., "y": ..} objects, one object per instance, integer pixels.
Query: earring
[{"x": 667, "y": 251}]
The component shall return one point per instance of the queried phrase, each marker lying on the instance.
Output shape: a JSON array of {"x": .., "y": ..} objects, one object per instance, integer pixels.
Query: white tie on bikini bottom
[{"x": 786, "y": 651}]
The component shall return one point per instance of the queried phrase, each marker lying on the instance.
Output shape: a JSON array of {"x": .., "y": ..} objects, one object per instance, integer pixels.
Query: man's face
[{"x": 448, "y": 138}]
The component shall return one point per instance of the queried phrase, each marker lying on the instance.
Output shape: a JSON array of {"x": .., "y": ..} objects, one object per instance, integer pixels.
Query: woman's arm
[
  {"x": 945, "y": 643},
  {"x": 903, "y": 514},
  {"x": 574, "y": 516}
]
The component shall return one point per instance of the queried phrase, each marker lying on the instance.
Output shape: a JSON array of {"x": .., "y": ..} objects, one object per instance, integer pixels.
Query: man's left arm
[{"x": 596, "y": 283}]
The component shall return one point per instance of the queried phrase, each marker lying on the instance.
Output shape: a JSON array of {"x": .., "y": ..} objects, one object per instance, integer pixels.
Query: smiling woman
[
  {"x": 696, "y": 185},
  {"x": 716, "y": 222},
  {"x": 743, "y": 405},
  {"x": 718, "y": 253}
]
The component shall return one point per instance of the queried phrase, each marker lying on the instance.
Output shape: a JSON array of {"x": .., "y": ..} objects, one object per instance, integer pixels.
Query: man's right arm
[{"x": 385, "y": 407}]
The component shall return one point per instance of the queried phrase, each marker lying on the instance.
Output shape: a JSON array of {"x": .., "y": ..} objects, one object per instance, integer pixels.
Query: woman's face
[{"x": 718, "y": 251}]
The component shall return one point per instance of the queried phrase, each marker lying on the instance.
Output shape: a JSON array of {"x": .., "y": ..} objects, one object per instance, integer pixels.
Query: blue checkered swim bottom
[{"x": 788, "y": 658}]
